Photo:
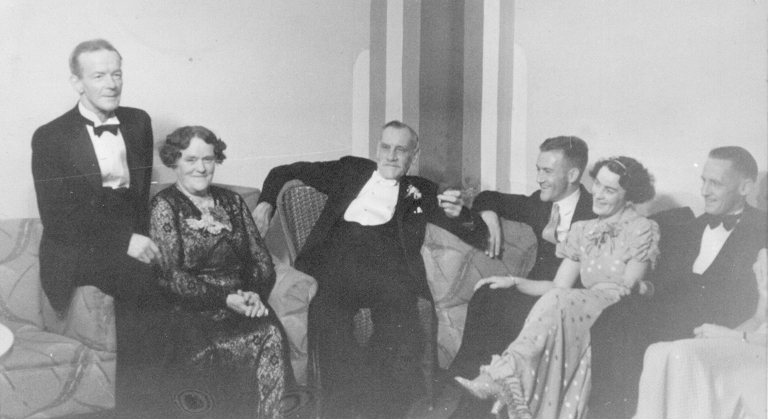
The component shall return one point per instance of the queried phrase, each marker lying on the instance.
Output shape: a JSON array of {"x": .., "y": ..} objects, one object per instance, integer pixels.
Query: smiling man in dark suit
[
  {"x": 709, "y": 277},
  {"x": 496, "y": 316},
  {"x": 364, "y": 251},
  {"x": 92, "y": 169}
]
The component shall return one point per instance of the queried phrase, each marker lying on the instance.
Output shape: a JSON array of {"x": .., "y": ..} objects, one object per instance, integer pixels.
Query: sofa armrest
[
  {"x": 290, "y": 299},
  {"x": 90, "y": 319},
  {"x": 454, "y": 267}
]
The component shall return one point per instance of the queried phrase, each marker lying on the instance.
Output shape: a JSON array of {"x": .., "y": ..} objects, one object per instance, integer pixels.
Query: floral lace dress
[
  {"x": 207, "y": 255},
  {"x": 546, "y": 370}
]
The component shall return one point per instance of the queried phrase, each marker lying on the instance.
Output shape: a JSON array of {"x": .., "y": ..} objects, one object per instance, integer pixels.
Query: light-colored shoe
[{"x": 482, "y": 387}]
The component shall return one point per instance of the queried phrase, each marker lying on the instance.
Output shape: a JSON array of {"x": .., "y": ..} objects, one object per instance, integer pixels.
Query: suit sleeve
[
  {"x": 144, "y": 169},
  {"x": 323, "y": 176},
  {"x": 507, "y": 206},
  {"x": 468, "y": 226},
  {"x": 70, "y": 207},
  {"x": 68, "y": 204}
]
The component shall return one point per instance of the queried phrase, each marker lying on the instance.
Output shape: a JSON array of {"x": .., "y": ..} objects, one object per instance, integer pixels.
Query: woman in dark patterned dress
[{"x": 220, "y": 274}]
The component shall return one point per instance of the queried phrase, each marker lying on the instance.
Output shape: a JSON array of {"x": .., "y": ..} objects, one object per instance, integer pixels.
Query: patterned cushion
[
  {"x": 57, "y": 365},
  {"x": 37, "y": 349},
  {"x": 90, "y": 319},
  {"x": 46, "y": 375},
  {"x": 453, "y": 269},
  {"x": 20, "y": 289}
]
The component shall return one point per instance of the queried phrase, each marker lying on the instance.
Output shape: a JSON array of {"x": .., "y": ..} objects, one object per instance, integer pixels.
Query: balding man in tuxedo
[
  {"x": 92, "y": 168},
  {"x": 364, "y": 251}
]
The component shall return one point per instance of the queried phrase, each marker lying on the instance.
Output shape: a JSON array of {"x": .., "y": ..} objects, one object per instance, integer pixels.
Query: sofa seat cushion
[
  {"x": 34, "y": 349},
  {"x": 47, "y": 375}
]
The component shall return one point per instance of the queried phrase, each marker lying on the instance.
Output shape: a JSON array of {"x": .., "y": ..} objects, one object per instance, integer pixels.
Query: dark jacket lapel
[
  {"x": 583, "y": 209},
  {"x": 129, "y": 128},
  {"x": 735, "y": 245},
  {"x": 81, "y": 151},
  {"x": 347, "y": 190}
]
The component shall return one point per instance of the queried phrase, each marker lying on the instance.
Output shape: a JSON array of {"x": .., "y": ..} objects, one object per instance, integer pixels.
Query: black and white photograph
[{"x": 383, "y": 209}]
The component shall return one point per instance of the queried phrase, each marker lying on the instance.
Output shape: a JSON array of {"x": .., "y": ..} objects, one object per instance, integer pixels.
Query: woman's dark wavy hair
[
  {"x": 633, "y": 177},
  {"x": 177, "y": 141}
]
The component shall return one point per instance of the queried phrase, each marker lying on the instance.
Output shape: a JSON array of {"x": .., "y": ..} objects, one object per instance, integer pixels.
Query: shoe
[{"x": 482, "y": 387}]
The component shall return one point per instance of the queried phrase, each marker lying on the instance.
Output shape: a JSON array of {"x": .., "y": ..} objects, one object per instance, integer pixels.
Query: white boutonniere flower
[
  {"x": 212, "y": 220},
  {"x": 416, "y": 194}
]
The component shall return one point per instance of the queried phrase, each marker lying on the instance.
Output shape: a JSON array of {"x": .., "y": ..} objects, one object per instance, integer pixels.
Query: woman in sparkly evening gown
[
  {"x": 545, "y": 372},
  {"x": 220, "y": 274}
]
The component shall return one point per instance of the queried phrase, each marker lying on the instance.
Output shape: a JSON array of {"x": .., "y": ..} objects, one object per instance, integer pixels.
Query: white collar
[
  {"x": 91, "y": 116},
  {"x": 378, "y": 178},
  {"x": 570, "y": 201}
]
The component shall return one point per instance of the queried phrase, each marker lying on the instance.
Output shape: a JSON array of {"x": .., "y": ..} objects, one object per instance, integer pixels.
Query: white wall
[
  {"x": 662, "y": 81},
  {"x": 273, "y": 78}
]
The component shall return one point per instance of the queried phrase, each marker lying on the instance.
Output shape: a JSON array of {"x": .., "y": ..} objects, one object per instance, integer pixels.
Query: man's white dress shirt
[
  {"x": 712, "y": 240},
  {"x": 566, "y": 207},
  {"x": 110, "y": 152},
  {"x": 375, "y": 204}
]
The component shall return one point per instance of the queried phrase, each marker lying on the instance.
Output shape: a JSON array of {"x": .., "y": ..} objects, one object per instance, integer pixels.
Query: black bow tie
[
  {"x": 108, "y": 127},
  {"x": 728, "y": 221}
]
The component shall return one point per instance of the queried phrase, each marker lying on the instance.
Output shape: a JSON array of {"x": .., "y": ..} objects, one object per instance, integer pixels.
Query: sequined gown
[
  {"x": 547, "y": 368},
  {"x": 201, "y": 264}
]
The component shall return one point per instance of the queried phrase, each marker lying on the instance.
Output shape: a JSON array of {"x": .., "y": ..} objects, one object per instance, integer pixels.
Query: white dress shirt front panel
[
  {"x": 566, "y": 207},
  {"x": 375, "y": 204},
  {"x": 712, "y": 240},
  {"x": 110, "y": 152}
]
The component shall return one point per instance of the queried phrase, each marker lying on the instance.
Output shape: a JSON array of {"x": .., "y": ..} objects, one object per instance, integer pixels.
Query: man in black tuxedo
[
  {"x": 496, "y": 316},
  {"x": 709, "y": 278},
  {"x": 364, "y": 251},
  {"x": 92, "y": 169},
  {"x": 704, "y": 275}
]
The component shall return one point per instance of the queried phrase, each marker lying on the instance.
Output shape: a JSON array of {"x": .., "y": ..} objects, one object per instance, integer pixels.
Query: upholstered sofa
[
  {"x": 57, "y": 365},
  {"x": 66, "y": 365}
]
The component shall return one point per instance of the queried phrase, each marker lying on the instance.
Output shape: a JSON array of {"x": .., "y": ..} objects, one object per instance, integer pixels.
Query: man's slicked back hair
[
  {"x": 741, "y": 160},
  {"x": 574, "y": 149},
  {"x": 88, "y": 46},
  {"x": 400, "y": 125}
]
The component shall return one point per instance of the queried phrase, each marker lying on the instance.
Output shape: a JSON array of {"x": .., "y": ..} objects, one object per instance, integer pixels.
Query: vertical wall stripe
[
  {"x": 361, "y": 96},
  {"x": 471, "y": 163},
  {"x": 378, "y": 60},
  {"x": 411, "y": 68},
  {"x": 394, "y": 65},
  {"x": 518, "y": 164},
  {"x": 506, "y": 90},
  {"x": 489, "y": 113}
]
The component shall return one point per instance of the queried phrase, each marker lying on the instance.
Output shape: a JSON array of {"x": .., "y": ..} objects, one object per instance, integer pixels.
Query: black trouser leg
[{"x": 494, "y": 319}]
